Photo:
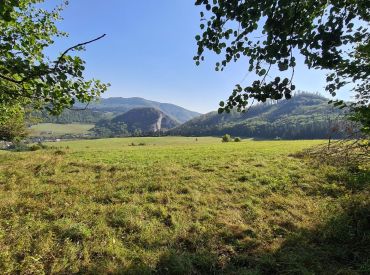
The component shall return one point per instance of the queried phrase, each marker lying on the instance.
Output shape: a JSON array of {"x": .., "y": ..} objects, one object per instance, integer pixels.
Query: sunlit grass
[
  {"x": 55, "y": 130},
  {"x": 171, "y": 205}
]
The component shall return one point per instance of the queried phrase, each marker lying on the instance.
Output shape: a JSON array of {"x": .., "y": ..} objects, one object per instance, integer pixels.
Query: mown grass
[
  {"x": 181, "y": 206},
  {"x": 57, "y": 130}
]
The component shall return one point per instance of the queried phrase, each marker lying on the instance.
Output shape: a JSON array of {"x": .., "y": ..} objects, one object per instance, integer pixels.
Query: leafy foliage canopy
[
  {"x": 27, "y": 75},
  {"x": 332, "y": 35},
  {"x": 12, "y": 123}
]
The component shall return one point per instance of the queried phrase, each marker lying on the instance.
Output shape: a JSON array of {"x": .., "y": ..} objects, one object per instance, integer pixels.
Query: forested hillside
[
  {"x": 305, "y": 116},
  {"x": 73, "y": 116},
  {"x": 136, "y": 122}
]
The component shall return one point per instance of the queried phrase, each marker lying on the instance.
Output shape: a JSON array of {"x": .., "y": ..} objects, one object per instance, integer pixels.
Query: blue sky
[{"x": 148, "y": 52}]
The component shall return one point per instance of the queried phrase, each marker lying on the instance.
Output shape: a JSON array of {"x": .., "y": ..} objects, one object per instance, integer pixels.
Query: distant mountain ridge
[
  {"x": 122, "y": 105},
  {"x": 106, "y": 108},
  {"x": 306, "y": 115}
]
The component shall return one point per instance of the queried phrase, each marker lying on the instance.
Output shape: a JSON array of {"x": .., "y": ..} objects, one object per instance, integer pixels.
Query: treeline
[
  {"x": 72, "y": 116},
  {"x": 106, "y": 128},
  {"x": 305, "y": 116},
  {"x": 284, "y": 129}
]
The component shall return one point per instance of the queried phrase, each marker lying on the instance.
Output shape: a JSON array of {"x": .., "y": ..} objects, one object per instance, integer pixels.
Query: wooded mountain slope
[
  {"x": 146, "y": 119},
  {"x": 73, "y": 116},
  {"x": 304, "y": 116},
  {"x": 138, "y": 121}
]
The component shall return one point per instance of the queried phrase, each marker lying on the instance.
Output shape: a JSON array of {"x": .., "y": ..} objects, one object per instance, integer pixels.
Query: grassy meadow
[
  {"x": 176, "y": 205},
  {"x": 57, "y": 130}
]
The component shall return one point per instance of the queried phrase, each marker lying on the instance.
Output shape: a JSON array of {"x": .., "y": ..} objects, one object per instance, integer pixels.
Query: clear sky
[{"x": 148, "y": 52}]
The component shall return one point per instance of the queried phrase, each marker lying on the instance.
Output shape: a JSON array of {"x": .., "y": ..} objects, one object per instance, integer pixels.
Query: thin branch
[
  {"x": 55, "y": 66},
  {"x": 291, "y": 37},
  {"x": 73, "y": 47},
  {"x": 79, "y": 109},
  {"x": 292, "y": 76},
  {"x": 10, "y": 79},
  {"x": 264, "y": 77}
]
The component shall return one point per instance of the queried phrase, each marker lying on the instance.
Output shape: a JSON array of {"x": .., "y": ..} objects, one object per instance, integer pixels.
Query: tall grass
[{"x": 180, "y": 206}]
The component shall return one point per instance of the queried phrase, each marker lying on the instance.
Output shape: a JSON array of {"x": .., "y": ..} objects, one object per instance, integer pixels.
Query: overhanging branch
[
  {"x": 76, "y": 46},
  {"x": 50, "y": 70}
]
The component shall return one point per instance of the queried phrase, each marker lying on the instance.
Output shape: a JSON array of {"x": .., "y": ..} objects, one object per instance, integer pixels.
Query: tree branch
[
  {"x": 39, "y": 74},
  {"x": 79, "y": 109},
  {"x": 73, "y": 47},
  {"x": 10, "y": 79}
]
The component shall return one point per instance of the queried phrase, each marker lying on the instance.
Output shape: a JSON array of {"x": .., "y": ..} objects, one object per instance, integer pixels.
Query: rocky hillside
[
  {"x": 138, "y": 121},
  {"x": 146, "y": 120}
]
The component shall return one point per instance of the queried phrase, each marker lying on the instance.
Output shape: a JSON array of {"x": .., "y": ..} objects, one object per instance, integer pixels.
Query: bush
[
  {"x": 226, "y": 138},
  {"x": 35, "y": 147},
  {"x": 38, "y": 146},
  {"x": 43, "y": 146},
  {"x": 59, "y": 153},
  {"x": 19, "y": 147},
  {"x": 237, "y": 139}
]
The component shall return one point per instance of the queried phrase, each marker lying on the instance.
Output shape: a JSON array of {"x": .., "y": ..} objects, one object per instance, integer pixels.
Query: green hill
[
  {"x": 73, "y": 116},
  {"x": 138, "y": 121},
  {"x": 305, "y": 116}
]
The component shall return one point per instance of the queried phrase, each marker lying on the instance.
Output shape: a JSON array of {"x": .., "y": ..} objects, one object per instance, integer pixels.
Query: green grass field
[
  {"x": 57, "y": 130},
  {"x": 180, "y": 206}
]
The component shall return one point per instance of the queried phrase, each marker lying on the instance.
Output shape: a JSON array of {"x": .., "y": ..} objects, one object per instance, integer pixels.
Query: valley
[{"x": 305, "y": 116}]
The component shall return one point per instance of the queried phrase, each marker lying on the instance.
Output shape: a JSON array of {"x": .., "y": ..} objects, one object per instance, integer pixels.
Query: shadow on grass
[{"x": 338, "y": 245}]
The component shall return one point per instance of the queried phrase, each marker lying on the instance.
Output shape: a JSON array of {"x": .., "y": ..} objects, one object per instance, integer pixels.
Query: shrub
[
  {"x": 226, "y": 138},
  {"x": 19, "y": 147},
  {"x": 43, "y": 146},
  {"x": 35, "y": 147},
  {"x": 237, "y": 139}
]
